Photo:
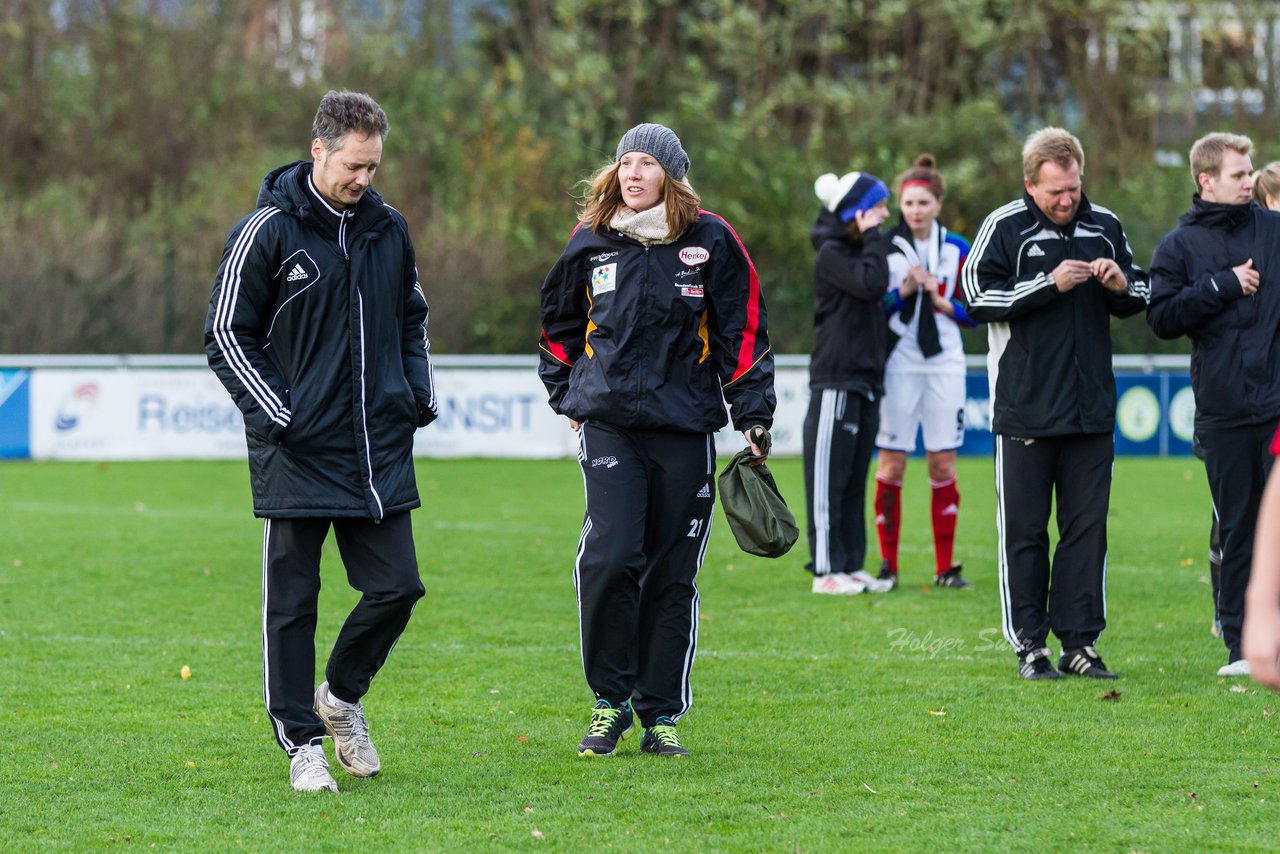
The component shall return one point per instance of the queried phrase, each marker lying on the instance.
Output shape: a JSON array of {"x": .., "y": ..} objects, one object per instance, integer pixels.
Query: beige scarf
[{"x": 647, "y": 226}]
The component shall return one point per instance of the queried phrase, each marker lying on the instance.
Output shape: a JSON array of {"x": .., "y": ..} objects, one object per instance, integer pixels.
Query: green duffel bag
[{"x": 758, "y": 516}]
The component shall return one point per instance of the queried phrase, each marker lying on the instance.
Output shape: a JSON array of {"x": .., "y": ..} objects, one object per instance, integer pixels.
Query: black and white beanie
[
  {"x": 851, "y": 194},
  {"x": 659, "y": 142}
]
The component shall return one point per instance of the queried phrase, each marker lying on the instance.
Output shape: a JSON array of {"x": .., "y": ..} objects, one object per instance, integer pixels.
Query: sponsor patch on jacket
[
  {"x": 604, "y": 279},
  {"x": 692, "y": 256},
  {"x": 686, "y": 291}
]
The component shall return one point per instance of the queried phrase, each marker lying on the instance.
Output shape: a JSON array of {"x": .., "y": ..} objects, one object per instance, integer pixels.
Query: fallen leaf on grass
[
  {"x": 528, "y": 810},
  {"x": 1111, "y": 695},
  {"x": 537, "y": 834},
  {"x": 522, "y": 739},
  {"x": 1238, "y": 689},
  {"x": 941, "y": 713},
  {"x": 869, "y": 789}
]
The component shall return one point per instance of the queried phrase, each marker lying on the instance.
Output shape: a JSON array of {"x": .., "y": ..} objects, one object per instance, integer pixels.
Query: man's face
[
  {"x": 1056, "y": 191},
  {"x": 343, "y": 174},
  {"x": 1232, "y": 185}
]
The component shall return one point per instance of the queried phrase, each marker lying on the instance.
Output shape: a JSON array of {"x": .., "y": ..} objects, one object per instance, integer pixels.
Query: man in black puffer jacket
[
  {"x": 1216, "y": 279},
  {"x": 317, "y": 327}
]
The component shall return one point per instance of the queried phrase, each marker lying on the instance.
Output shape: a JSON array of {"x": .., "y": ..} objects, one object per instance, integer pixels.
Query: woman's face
[
  {"x": 640, "y": 178},
  {"x": 1273, "y": 203},
  {"x": 919, "y": 208}
]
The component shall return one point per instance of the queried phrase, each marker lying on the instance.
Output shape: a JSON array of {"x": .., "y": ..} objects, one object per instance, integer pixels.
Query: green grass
[{"x": 817, "y": 724}]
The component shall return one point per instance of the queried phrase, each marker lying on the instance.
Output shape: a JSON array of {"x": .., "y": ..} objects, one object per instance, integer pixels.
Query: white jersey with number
[{"x": 942, "y": 254}]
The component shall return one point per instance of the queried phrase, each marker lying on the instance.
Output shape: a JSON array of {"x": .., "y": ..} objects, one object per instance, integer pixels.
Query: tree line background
[{"x": 138, "y": 132}]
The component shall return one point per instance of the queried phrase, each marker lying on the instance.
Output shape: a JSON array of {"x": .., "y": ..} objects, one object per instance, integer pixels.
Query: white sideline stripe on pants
[
  {"x": 1002, "y": 555},
  {"x": 833, "y": 401},
  {"x": 686, "y": 684},
  {"x": 278, "y": 724}
]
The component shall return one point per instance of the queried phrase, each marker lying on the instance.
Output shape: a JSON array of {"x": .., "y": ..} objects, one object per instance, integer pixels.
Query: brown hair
[
  {"x": 603, "y": 199},
  {"x": 924, "y": 169},
  {"x": 1266, "y": 182},
  {"x": 1050, "y": 144},
  {"x": 342, "y": 112}
]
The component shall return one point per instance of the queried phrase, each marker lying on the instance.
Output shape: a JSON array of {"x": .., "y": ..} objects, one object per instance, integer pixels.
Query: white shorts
[{"x": 929, "y": 400}]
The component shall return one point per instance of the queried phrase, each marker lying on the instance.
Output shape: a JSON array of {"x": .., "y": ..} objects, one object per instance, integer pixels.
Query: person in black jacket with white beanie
[
  {"x": 1047, "y": 273},
  {"x": 1216, "y": 279},
  {"x": 317, "y": 328},
  {"x": 846, "y": 377},
  {"x": 652, "y": 318}
]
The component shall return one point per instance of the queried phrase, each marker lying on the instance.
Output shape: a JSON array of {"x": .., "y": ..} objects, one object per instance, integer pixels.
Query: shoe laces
[
  {"x": 308, "y": 761},
  {"x": 665, "y": 734},
  {"x": 351, "y": 723},
  {"x": 602, "y": 720}
]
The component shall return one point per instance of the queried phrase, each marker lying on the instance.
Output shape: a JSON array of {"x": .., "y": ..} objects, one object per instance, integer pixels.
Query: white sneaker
[
  {"x": 351, "y": 745},
  {"x": 309, "y": 771},
  {"x": 1239, "y": 667},
  {"x": 872, "y": 584},
  {"x": 837, "y": 583}
]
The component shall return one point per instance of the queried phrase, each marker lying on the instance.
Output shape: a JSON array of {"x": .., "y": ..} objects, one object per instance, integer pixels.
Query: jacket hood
[
  {"x": 283, "y": 188},
  {"x": 1216, "y": 215},
  {"x": 828, "y": 227}
]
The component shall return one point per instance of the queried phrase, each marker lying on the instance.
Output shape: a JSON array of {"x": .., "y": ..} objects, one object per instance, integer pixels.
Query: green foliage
[
  {"x": 142, "y": 137},
  {"x": 890, "y": 722}
]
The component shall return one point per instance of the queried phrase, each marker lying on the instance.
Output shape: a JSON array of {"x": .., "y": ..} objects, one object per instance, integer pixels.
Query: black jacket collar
[
  {"x": 1082, "y": 212},
  {"x": 1216, "y": 215}
]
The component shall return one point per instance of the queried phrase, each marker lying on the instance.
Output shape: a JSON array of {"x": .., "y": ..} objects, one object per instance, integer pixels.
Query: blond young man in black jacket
[
  {"x": 1047, "y": 272},
  {"x": 1215, "y": 279}
]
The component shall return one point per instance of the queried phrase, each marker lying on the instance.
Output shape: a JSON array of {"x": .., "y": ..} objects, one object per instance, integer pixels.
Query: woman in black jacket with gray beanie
[{"x": 652, "y": 319}]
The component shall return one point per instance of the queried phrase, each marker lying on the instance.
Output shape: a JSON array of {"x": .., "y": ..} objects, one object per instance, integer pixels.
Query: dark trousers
[
  {"x": 649, "y": 495},
  {"x": 380, "y": 563},
  {"x": 1237, "y": 461},
  {"x": 1068, "y": 598},
  {"x": 839, "y": 438}
]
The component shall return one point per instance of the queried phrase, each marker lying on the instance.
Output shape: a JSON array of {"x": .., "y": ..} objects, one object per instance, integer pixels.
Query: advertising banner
[
  {"x": 15, "y": 415},
  {"x": 496, "y": 409}
]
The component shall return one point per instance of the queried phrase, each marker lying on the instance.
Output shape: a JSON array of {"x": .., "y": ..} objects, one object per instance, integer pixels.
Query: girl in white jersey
[{"x": 925, "y": 375}]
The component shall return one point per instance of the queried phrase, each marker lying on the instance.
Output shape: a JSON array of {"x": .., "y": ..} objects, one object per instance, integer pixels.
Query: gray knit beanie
[{"x": 659, "y": 142}]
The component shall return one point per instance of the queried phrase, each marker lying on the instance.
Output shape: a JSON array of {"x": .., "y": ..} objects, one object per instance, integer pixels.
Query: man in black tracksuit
[
  {"x": 317, "y": 327},
  {"x": 1047, "y": 272},
  {"x": 1216, "y": 279}
]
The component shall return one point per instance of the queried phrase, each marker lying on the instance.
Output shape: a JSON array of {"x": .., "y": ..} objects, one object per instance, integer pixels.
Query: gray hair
[{"x": 343, "y": 112}]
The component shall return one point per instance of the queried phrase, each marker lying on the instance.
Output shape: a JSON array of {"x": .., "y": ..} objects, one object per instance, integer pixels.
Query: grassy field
[{"x": 891, "y": 722}]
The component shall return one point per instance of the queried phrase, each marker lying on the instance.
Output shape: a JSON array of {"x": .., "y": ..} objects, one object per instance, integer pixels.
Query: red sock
[
  {"x": 946, "y": 506},
  {"x": 888, "y": 518}
]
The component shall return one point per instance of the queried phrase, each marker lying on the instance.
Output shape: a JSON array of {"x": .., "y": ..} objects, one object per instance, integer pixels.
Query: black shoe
[
  {"x": 887, "y": 574},
  {"x": 1084, "y": 662},
  {"x": 952, "y": 578},
  {"x": 661, "y": 739},
  {"x": 608, "y": 726},
  {"x": 1036, "y": 665}
]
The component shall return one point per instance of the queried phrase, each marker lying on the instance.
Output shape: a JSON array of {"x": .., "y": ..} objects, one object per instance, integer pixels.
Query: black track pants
[
  {"x": 380, "y": 563},
  {"x": 1236, "y": 461},
  {"x": 839, "y": 438},
  {"x": 1068, "y": 598},
  {"x": 649, "y": 498}
]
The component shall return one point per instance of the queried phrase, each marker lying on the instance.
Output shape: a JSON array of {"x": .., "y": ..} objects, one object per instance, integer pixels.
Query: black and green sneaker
[
  {"x": 661, "y": 739},
  {"x": 609, "y": 724}
]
